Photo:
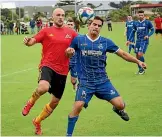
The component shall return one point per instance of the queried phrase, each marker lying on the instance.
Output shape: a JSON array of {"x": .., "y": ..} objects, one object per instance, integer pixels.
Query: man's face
[
  {"x": 95, "y": 27},
  {"x": 141, "y": 16},
  {"x": 58, "y": 17},
  {"x": 70, "y": 25},
  {"x": 158, "y": 15},
  {"x": 129, "y": 18}
]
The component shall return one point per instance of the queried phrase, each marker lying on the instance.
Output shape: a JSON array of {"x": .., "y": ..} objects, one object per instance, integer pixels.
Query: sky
[{"x": 23, "y": 3}]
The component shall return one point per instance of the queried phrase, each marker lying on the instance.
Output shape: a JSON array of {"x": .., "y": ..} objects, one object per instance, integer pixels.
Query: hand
[
  {"x": 146, "y": 37},
  {"x": 142, "y": 64},
  {"x": 26, "y": 40},
  {"x": 70, "y": 52},
  {"x": 128, "y": 43}
]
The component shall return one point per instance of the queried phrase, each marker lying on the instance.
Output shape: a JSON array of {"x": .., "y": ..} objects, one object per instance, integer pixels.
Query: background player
[
  {"x": 54, "y": 65},
  {"x": 158, "y": 25},
  {"x": 128, "y": 30},
  {"x": 72, "y": 67},
  {"x": 144, "y": 30},
  {"x": 93, "y": 80}
]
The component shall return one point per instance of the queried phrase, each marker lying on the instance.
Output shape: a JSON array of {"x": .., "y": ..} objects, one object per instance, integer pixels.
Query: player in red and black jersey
[{"x": 54, "y": 65}]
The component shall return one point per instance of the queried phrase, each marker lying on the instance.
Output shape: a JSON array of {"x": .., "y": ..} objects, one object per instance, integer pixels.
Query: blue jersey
[
  {"x": 143, "y": 29},
  {"x": 91, "y": 59},
  {"x": 129, "y": 27}
]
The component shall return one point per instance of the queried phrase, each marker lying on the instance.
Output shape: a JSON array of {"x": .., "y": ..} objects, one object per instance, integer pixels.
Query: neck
[
  {"x": 57, "y": 26},
  {"x": 93, "y": 37},
  {"x": 141, "y": 19}
]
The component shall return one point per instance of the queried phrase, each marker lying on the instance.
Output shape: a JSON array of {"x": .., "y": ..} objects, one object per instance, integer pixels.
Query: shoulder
[{"x": 103, "y": 39}]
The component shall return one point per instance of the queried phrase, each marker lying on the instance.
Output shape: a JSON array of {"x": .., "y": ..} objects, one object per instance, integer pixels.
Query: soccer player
[
  {"x": 109, "y": 24},
  {"x": 54, "y": 65},
  {"x": 128, "y": 30},
  {"x": 144, "y": 30},
  {"x": 158, "y": 25},
  {"x": 93, "y": 80},
  {"x": 72, "y": 67}
]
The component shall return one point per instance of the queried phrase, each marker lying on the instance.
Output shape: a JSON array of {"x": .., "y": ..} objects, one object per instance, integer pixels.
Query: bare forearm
[{"x": 129, "y": 58}]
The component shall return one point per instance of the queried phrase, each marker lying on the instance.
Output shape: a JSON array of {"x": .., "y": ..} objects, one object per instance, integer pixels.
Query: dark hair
[
  {"x": 140, "y": 11},
  {"x": 70, "y": 19},
  {"x": 98, "y": 18}
]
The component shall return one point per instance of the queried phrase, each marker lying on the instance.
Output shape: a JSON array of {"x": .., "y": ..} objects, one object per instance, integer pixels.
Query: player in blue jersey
[
  {"x": 72, "y": 67},
  {"x": 128, "y": 30},
  {"x": 93, "y": 80},
  {"x": 144, "y": 29}
]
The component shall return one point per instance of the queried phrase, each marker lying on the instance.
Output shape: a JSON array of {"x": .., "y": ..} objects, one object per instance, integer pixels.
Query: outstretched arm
[{"x": 126, "y": 56}]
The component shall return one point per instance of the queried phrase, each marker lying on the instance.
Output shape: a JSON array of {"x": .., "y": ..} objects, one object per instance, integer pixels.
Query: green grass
[{"x": 142, "y": 94}]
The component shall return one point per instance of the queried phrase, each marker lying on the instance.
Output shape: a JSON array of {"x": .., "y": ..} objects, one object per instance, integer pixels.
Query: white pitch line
[{"x": 16, "y": 72}]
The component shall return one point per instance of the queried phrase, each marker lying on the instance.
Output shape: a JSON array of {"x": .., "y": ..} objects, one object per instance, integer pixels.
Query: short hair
[
  {"x": 70, "y": 19},
  {"x": 97, "y": 18},
  {"x": 140, "y": 11}
]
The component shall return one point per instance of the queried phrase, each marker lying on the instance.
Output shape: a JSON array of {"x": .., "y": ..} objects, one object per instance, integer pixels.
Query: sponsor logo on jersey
[
  {"x": 51, "y": 35},
  {"x": 67, "y": 36}
]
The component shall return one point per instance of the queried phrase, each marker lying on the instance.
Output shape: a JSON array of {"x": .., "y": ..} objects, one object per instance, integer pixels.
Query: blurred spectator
[
  {"x": 39, "y": 24},
  {"x": 11, "y": 28},
  {"x": 24, "y": 29},
  {"x": 18, "y": 27},
  {"x": 32, "y": 26},
  {"x": 51, "y": 23}
]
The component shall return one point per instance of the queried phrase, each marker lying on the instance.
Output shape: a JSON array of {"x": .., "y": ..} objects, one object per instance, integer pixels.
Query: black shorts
[
  {"x": 158, "y": 31},
  {"x": 57, "y": 82}
]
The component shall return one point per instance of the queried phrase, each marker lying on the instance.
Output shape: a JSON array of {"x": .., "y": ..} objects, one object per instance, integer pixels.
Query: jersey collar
[
  {"x": 92, "y": 39},
  {"x": 142, "y": 20}
]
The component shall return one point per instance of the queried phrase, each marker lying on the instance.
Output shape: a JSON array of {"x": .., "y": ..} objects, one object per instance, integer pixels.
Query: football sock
[
  {"x": 47, "y": 110},
  {"x": 71, "y": 125},
  {"x": 131, "y": 46},
  {"x": 34, "y": 97},
  {"x": 143, "y": 60}
]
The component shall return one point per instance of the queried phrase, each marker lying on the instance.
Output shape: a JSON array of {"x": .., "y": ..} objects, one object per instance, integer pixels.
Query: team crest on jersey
[
  {"x": 83, "y": 94},
  {"x": 67, "y": 36},
  {"x": 100, "y": 46}
]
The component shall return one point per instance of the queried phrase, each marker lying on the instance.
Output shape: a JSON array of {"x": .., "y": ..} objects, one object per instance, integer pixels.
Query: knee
[
  {"x": 54, "y": 102},
  {"x": 120, "y": 106},
  {"x": 77, "y": 108},
  {"x": 43, "y": 87}
]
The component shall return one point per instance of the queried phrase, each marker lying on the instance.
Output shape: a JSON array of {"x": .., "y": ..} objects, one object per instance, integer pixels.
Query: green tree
[
  {"x": 67, "y": 2},
  {"x": 9, "y": 13},
  {"x": 39, "y": 14},
  {"x": 21, "y": 12}
]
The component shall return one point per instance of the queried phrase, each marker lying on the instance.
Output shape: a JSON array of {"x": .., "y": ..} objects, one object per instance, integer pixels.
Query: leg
[
  {"x": 42, "y": 88},
  {"x": 83, "y": 96},
  {"x": 46, "y": 112},
  {"x": 107, "y": 92},
  {"x": 73, "y": 117},
  {"x": 118, "y": 107},
  {"x": 56, "y": 89},
  {"x": 141, "y": 58}
]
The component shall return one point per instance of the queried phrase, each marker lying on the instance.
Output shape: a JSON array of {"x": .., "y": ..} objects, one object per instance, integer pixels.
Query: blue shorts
[
  {"x": 73, "y": 71},
  {"x": 104, "y": 91},
  {"x": 141, "y": 47}
]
